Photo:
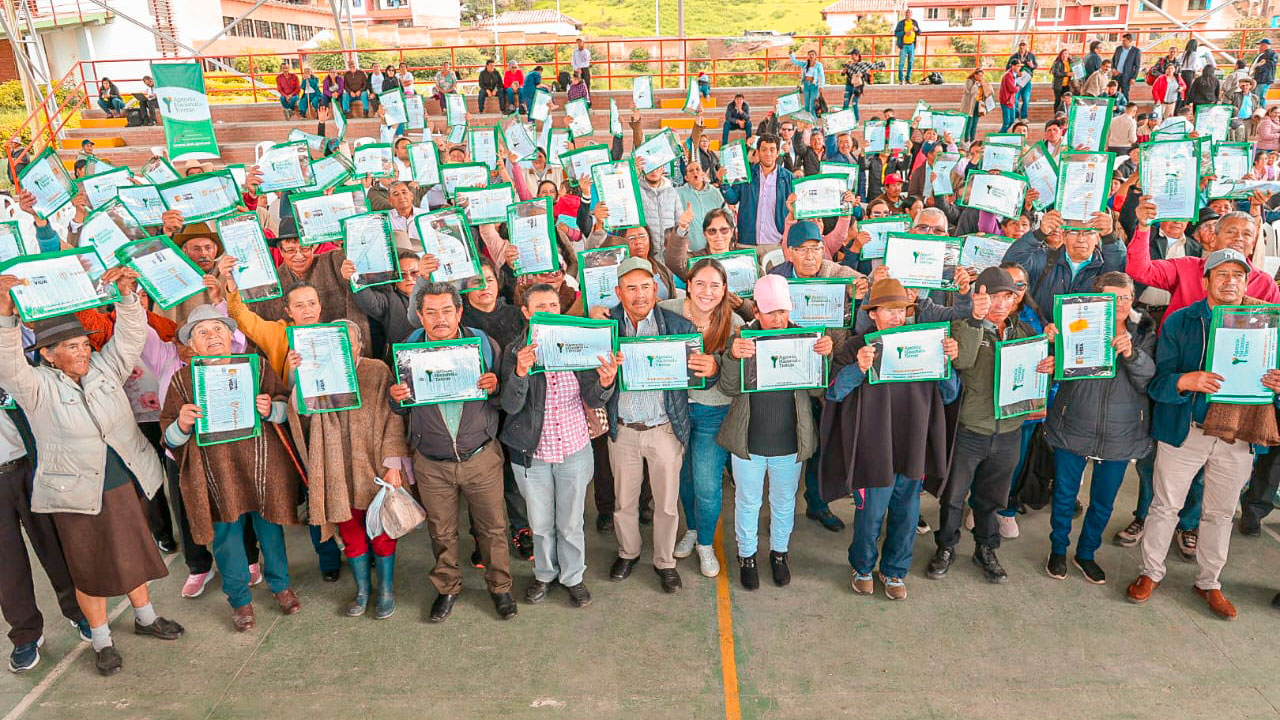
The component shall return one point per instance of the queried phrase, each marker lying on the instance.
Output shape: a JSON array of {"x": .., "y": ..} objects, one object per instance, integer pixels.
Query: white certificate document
[
  {"x": 541, "y": 109},
  {"x": 486, "y": 205},
  {"x": 532, "y": 237},
  {"x": 143, "y": 202},
  {"x": 53, "y": 286},
  {"x": 1213, "y": 121},
  {"x": 520, "y": 140},
  {"x": 615, "y": 119},
  {"x": 461, "y": 176},
  {"x": 599, "y": 269},
  {"x": 158, "y": 171},
  {"x": 821, "y": 196},
  {"x": 579, "y": 117},
  {"x": 1018, "y": 380},
  {"x": 424, "y": 163},
  {"x": 939, "y": 180},
  {"x": 1085, "y": 186},
  {"x": 441, "y": 240},
  {"x": 320, "y": 218},
  {"x": 244, "y": 240},
  {"x": 450, "y": 372},
  {"x": 393, "y": 103},
  {"x": 916, "y": 262},
  {"x": 655, "y": 364},
  {"x": 819, "y": 304},
  {"x": 642, "y": 92},
  {"x": 784, "y": 363},
  {"x": 230, "y": 402},
  {"x": 284, "y": 167},
  {"x": 455, "y": 109},
  {"x": 571, "y": 347},
  {"x": 105, "y": 234},
  {"x": 983, "y": 251},
  {"x": 324, "y": 368},
  {"x": 98, "y": 189},
  {"x": 484, "y": 146},
  {"x": 47, "y": 180},
  {"x": 998, "y": 194},
  {"x": 415, "y": 112},
  {"x": 1000, "y": 157},
  {"x": 1042, "y": 176},
  {"x": 581, "y": 162},
  {"x": 1087, "y": 330},
  {"x": 202, "y": 197},
  {"x": 733, "y": 157},
  {"x": 657, "y": 151},
  {"x": 369, "y": 246},
  {"x": 1089, "y": 120},
  {"x": 615, "y": 186},
  {"x": 1242, "y": 356},
  {"x": 788, "y": 104},
  {"x": 167, "y": 275},
  {"x": 1169, "y": 173},
  {"x": 839, "y": 122},
  {"x": 374, "y": 161},
  {"x": 13, "y": 244},
  {"x": 879, "y": 230},
  {"x": 911, "y": 355},
  {"x": 899, "y": 134},
  {"x": 850, "y": 172}
]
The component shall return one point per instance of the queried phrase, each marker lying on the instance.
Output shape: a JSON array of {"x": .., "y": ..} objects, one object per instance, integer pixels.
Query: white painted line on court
[
  {"x": 66, "y": 662},
  {"x": 1271, "y": 532}
]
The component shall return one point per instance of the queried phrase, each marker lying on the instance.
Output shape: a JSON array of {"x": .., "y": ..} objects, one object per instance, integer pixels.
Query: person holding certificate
[
  {"x": 766, "y": 432},
  {"x": 548, "y": 438},
  {"x": 1072, "y": 267},
  {"x": 343, "y": 452},
  {"x": 1108, "y": 422},
  {"x": 637, "y": 240},
  {"x": 108, "y": 467},
  {"x": 455, "y": 456},
  {"x": 1193, "y": 433},
  {"x": 302, "y": 307},
  {"x": 648, "y": 428},
  {"x": 986, "y": 448},
  {"x": 387, "y": 306},
  {"x": 228, "y": 485},
  {"x": 885, "y": 462},
  {"x": 763, "y": 196}
]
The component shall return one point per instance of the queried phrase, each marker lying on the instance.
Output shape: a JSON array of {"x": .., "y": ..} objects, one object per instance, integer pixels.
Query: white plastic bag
[
  {"x": 393, "y": 512},
  {"x": 373, "y": 516}
]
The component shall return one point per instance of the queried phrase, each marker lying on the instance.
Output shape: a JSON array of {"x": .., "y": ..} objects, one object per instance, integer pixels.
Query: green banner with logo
[{"x": 188, "y": 126}]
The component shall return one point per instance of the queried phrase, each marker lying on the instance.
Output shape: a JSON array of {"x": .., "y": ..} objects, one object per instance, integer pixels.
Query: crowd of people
[{"x": 103, "y": 467}]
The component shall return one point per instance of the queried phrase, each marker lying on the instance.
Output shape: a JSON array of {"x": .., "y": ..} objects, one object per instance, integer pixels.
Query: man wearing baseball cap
[
  {"x": 892, "y": 193},
  {"x": 1193, "y": 433},
  {"x": 648, "y": 428},
  {"x": 1264, "y": 68},
  {"x": 769, "y": 432}
]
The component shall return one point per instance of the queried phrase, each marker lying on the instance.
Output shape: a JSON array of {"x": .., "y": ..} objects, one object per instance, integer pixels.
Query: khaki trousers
[
  {"x": 479, "y": 480},
  {"x": 628, "y": 454},
  {"x": 1226, "y": 469}
]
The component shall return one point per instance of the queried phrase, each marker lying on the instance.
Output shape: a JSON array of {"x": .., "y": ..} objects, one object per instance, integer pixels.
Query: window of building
[
  {"x": 1075, "y": 38},
  {"x": 1022, "y": 10},
  {"x": 1049, "y": 13},
  {"x": 277, "y": 31},
  {"x": 959, "y": 17},
  {"x": 984, "y": 12},
  {"x": 931, "y": 13},
  {"x": 1197, "y": 5},
  {"x": 261, "y": 28},
  {"x": 1107, "y": 12},
  {"x": 1143, "y": 5}
]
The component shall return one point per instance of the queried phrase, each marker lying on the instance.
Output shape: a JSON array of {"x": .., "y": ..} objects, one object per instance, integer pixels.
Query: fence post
[
  {"x": 253, "y": 80},
  {"x": 766, "y": 67}
]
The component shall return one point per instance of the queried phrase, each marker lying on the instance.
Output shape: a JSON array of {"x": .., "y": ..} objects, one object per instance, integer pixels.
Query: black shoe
[
  {"x": 167, "y": 545},
  {"x": 646, "y": 515},
  {"x": 505, "y": 605},
  {"x": 579, "y": 596},
  {"x": 941, "y": 561},
  {"x": 1056, "y": 567},
  {"x": 522, "y": 541},
  {"x": 1250, "y": 526},
  {"x": 477, "y": 559},
  {"x": 604, "y": 523},
  {"x": 1275, "y": 601},
  {"x": 1079, "y": 510},
  {"x": 621, "y": 569},
  {"x": 827, "y": 518},
  {"x": 669, "y": 579},
  {"x": 1091, "y": 570},
  {"x": 108, "y": 661},
  {"x": 781, "y": 573},
  {"x": 441, "y": 608},
  {"x": 331, "y": 576},
  {"x": 161, "y": 629},
  {"x": 985, "y": 558},
  {"x": 748, "y": 574},
  {"x": 536, "y": 592}
]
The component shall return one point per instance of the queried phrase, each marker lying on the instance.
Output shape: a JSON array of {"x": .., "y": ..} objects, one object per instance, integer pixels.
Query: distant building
[
  {"x": 533, "y": 22},
  {"x": 841, "y": 16}
]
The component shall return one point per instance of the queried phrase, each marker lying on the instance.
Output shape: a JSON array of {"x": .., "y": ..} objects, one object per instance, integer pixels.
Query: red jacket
[
  {"x": 1008, "y": 89},
  {"x": 1162, "y": 84},
  {"x": 287, "y": 84},
  {"x": 513, "y": 79},
  {"x": 1183, "y": 277}
]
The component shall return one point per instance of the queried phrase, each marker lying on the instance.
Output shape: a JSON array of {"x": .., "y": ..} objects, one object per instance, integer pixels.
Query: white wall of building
[
  {"x": 433, "y": 14},
  {"x": 999, "y": 19}
]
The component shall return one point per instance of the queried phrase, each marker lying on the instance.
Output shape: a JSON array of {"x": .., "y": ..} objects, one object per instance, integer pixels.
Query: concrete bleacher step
[
  {"x": 73, "y": 143},
  {"x": 677, "y": 103},
  {"x": 685, "y": 122},
  {"x": 103, "y": 122}
]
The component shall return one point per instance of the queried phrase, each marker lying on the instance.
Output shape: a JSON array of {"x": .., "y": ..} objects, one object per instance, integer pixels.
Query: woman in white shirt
[{"x": 406, "y": 79}]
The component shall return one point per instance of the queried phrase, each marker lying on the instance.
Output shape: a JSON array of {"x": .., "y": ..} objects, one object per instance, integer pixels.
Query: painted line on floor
[
  {"x": 724, "y": 616},
  {"x": 1271, "y": 532},
  {"x": 41, "y": 687}
]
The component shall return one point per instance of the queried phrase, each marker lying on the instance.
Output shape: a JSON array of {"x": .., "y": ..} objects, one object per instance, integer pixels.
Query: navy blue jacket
[
  {"x": 674, "y": 402},
  {"x": 1179, "y": 349},
  {"x": 746, "y": 195},
  {"x": 1032, "y": 254}
]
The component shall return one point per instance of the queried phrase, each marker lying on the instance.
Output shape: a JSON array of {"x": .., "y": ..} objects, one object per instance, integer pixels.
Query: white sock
[
  {"x": 145, "y": 614},
  {"x": 101, "y": 637}
]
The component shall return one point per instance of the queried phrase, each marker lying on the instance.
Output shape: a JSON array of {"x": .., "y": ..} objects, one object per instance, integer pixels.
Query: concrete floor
[{"x": 957, "y": 648}]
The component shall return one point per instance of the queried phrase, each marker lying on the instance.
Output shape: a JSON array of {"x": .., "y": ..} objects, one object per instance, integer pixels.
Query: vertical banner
[{"x": 188, "y": 126}]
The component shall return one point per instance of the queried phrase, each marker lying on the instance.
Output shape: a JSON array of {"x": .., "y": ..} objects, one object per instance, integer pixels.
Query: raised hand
[{"x": 981, "y": 303}]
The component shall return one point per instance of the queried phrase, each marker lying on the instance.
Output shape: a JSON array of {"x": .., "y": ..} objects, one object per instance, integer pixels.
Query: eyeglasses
[
  {"x": 807, "y": 249},
  {"x": 1124, "y": 298},
  {"x": 1019, "y": 286},
  {"x": 929, "y": 229},
  {"x": 718, "y": 231}
]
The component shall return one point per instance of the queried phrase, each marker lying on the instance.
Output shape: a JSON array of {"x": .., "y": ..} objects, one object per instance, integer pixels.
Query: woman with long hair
[
  {"x": 1062, "y": 77},
  {"x": 707, "y": 306}
]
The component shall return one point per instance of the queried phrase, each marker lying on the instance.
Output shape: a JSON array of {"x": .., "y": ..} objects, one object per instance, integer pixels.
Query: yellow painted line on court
[{"x": 724, "y": 615}]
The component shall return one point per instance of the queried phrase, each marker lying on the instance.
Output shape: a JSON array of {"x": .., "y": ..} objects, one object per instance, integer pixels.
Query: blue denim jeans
[
  {"x": 1068, "y": 473},
  {"x": 906, "y": 58},
  {"x": 1261, "y": 91},
  {"x": 850, "y": 100},
  {"x": 1189, "y": 515},
  {"x": 327, "y": 551},
  {"x": 810, "y": 91},
  {"x": 1007, "y": 116},
  {"x": 290, "y": 103},
  {"x": 1023, "y": 101},
  {"x": 555, "y": 496},
  {"x": 724, "y": 134},
  {"x": 112, "y": 104},
  {"x": 701, "y": 476},
  {"x": 348, "y": 97},
  {"x": 900, "y": 504},
  {"x": 784, "y": 476},
  {"x": 704, "y": 89},
  {"x": 228, "y": 553}
]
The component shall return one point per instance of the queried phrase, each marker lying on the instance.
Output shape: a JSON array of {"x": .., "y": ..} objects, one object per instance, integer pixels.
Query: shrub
[
  {"x": 639, "y": 60},
  {"x": 262, "y": 65},
  {"x": 11, "y": 97}
]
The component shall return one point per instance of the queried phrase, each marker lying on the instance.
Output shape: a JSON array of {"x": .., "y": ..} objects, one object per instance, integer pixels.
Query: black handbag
[{"x": 1035, "y": 484}]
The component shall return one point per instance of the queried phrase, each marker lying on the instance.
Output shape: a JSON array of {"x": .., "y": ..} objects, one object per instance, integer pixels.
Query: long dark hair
[
  {"x": 720, "y": 327},
  {"x": 1027, "y": 300}
]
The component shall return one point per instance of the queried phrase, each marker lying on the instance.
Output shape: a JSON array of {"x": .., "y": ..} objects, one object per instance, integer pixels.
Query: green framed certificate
[
  {"x": 692, "y": 100},
  {"x": 374, "y": 160},
  {"x": 616, "y": 186},
  {"x": 657, "y": 151},
  {"x": 532, "y": 231},
  {"x": 615, "y": 119},
  {"x": 899, "y": 134},
  {"x": 558, "y": 142},
  {"x": 164, "y": 271},
  {"x": 369, "y": 244},
  {"x": 47, "y": 179},
  {"x": 159, "y": 171},
  {"x": 923, "y": 261},
  {"x": 100, "y": 188},
  {"x": 446, "y": 236},
  {"x": 821, "y": 302},
  {"x": 144, "y": 203},
  {"x": 13, "y": 244},
  {"x": 440, "y": 372},
  {"x": 202, "y": 197},
  {"x": 328, "y": 172},
  {"x": 486, "y": 205},
  {"x": 874, "y": 136},
  {"x": 950, "y": 123},
  {"x": 540, "y": 109},
  {"x": 1084, "y": 186},
  {"x": 1242, "y": 348},
  {"x": 1214, "y": 121},
  {"x": 315, "y": 143},
  {"x": 572, "y": 343},
  {"x": 1000, "y": 194},
  {"x": 659, "y": 363},
  {"x": 741, "y": 266},
  {"x": 1019, "y": 388},
  {"x": 788, "y": 104},
  {"x": 820, "y": 196},
  {"x": 598, "y": 276},
  {"x": 938, "y": 181},
  {"x": 415, "y": 111},
  {"x": 579, "y": 161},
  {"x": 319, "y": 215},
  {"x": 326, "y": 380},
  {"x": 642, "y": 92},
  {"x": 999, "y": 156},
  {"x": 424, "y": 163},
  {"x": 850, "y": 172},
  {"x": 520, "y": 140},
  {"x": 1231, "y": 163},
  {"x": 910, "y": 353},
  {"x": 108, "y": 229},
  {"x": 255, "y": 271},
  {"x": 579, "y": 118},
  {"x": 286, "y": 166},
  {"x": 392, "y": 102},
  {"x": 981, "y": 251},
  {"x": 1089, "y": 123},
  {"x": 1086, "y": 327},
  {"x": 879, "y": 229},
  {"x": 784, "y": 360},
  {"x": 339, "y": 121},
  {"x": 456, "y": 135},
  {"x": 483, "y": 144},
  {"x": 226, "y": 389},
  {"x": 1041, "y": 171},
  {"x": 456, "y": 175},
  {"x": 839, "y": 122},
  {"x": 240, "y": 173},
  {"x": 58, "y": 283},
  {"x": 733, "y": 157},
  {"x": 1169, "y": 171},
  {"x": 918, "y": 115}
]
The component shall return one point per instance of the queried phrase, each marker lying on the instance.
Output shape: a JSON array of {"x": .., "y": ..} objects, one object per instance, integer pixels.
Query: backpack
[
  {"x": 933, "y": 78},
  {"x": 133, "y": 117},
  {"x": 1035, "y": 484}
]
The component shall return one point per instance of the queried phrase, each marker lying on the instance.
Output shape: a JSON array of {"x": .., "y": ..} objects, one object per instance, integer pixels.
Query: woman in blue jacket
[{"x": 812, "y": 76}]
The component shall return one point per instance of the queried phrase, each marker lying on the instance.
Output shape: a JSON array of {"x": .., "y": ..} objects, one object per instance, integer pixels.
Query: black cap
[{"x": 995, "y": 280}]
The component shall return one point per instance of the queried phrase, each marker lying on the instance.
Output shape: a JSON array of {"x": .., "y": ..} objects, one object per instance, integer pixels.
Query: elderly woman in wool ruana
[
  {"x": 229, "y": 485},
  {"x": 344, "y": 451}
]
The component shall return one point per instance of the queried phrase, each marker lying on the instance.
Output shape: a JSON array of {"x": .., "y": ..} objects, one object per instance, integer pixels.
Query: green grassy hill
[{"x": 634, "y": 18}]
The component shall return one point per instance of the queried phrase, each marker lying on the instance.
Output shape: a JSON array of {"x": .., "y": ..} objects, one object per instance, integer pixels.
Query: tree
[{"x": 1249, "y": 30}]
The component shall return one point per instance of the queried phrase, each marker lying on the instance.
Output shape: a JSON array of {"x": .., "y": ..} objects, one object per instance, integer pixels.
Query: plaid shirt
[{"x": 564, "y": 422}]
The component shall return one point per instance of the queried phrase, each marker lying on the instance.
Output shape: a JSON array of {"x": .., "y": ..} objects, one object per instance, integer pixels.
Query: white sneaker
[
  {"x": 1008, "y": 527},
  {"x": 707, "y": 561},
  {"x": 968, "y": 518},
  {"x": 684, "y": 548}
]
